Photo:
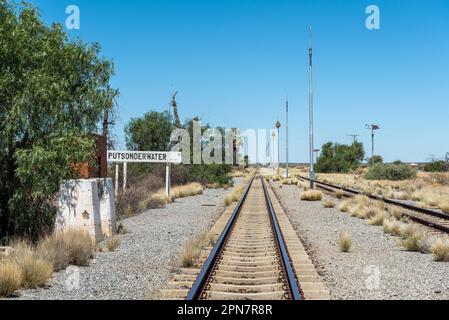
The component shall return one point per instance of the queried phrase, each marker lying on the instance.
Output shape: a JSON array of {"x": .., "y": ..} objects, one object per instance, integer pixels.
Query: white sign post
[{"x": 144, "y": 157}]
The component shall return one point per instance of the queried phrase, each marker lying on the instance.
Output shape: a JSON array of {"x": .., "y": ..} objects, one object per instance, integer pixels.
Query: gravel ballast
[
  {"x": 376, "y": 267},
  {"x": 145, "y": 258}
]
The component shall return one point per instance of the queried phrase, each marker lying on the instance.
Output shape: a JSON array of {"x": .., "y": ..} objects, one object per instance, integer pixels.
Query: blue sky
[{"x": 234, "y": 62}]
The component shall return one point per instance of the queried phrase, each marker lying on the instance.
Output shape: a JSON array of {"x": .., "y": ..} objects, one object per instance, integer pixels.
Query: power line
[{"x": 354, "y": 136}]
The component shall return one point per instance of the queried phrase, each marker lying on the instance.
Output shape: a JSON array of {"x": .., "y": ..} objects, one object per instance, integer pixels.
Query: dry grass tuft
[
  {"x": 378, "y": 218},
  {"x": 359, "y": 211},
  {"x": 36, "y": 271},
  {"x": 346, "y": 205},
  {"x": 413, "y": 238},
  {"x": 156, "y": 201},
  {"x": 311, "y": 195},
  {"x": 192, "y": 250},
  {"x": 395, "y": 212},
  {"x": 69, "y": 247},
  {"x": 10, "y": 278},
  {"x": 54, "y": 249},
  {"x": 440, "y": 250},
  {"x": 345, "y": 241},
  {"x": 339, "y": 194},
  {"x": 234, "y": 195},
  {"x": 328, "y": 203},
  {"x": 112, "y": 243},
  {"x": 80, "y": 246},
  {"x": 444, "y": 206},
  {"x": 392, "y": 227}
]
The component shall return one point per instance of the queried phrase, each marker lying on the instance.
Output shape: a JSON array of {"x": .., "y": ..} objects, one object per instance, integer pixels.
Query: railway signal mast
[
  {"x": 311, "y": 144},
  {"x": 373, "y": 128},
  {"x": 278, "y": 126}
]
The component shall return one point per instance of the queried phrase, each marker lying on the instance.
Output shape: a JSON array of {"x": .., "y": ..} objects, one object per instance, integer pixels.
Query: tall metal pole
[
  {"x": 311, "y": 146},
  {"x": 273, "y": 148},
  {"x": 286, "y": 139},
  {"x": 372, "y": 146},
  {"x": 278, "y": 154}
]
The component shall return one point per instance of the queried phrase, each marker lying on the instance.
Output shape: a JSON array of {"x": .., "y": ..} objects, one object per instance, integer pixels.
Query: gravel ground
[
  {"x": 376, "y": 266},
  {"x": 143, "y": 262}
]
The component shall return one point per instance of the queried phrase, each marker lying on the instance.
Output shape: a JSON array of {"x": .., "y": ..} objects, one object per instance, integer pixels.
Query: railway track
[
  {"x": 258, "y": 256},
  {"x": 433, "y": 219}
]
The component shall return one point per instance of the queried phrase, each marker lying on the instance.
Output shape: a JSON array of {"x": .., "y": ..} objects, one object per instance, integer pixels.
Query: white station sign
[{"x": 144, "y": 156}]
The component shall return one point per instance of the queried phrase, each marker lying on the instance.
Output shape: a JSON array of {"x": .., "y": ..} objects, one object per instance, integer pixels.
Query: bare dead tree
[{"x": 175, "y": 110}]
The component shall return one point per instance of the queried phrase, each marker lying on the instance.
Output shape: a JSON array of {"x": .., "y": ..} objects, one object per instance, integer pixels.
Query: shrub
[
  {"x": 340, "y": 158},
  {"x": 213, "y": 173},
  {"x": 393, "y": 172},
  {"x": 339, "y": 194},
  {"x": 311, "y": 195},
  {"x": 345, "y": 241},
  {"x": 436, "y": 166},
  {"x": 10, "y": 277},
  {"x": 440, "y": 250}
]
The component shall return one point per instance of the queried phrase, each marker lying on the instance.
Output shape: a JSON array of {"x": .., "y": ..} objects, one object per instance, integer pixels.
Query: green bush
[
  {"x": 340, "y": 158},
  {"x": 436, "y": 166},
  {"x": 209, "y": 174},
  {"x": 393, "y": 172}
]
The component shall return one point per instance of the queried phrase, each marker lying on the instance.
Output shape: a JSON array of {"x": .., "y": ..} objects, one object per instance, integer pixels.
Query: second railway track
[
  {"x": 258, "y": 256},
  {"x": 435, "y": 220}
]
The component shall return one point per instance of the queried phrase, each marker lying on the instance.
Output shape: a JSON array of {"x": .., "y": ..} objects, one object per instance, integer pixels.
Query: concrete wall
[{"x": 87, "y": 204}]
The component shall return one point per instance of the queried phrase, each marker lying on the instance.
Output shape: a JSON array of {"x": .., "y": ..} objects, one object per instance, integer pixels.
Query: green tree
[
  {"x": 53, "y": 95},
  {"x": 340, "y": 158},
  {"x": 150, "y": 133},
  {"x": 376, "y": 159}
]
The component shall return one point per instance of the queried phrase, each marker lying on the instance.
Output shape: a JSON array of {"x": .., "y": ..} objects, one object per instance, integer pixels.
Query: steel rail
[
  {"x": 396, "y": 203},
  {"x": 203, "y": 276},
  {"x": 295, "y": 291}
]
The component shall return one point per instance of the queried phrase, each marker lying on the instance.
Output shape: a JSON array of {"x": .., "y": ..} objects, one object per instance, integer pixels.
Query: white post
[
  {"x": 167, "y": 180},
  {"x": 116, "y": 179},
  {"x": 125, "y": 176}
]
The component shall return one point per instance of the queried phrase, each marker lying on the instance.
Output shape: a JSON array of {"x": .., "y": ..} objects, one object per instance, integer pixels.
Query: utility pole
[
  {"x": 286, "y": 139},
  {"x": 354, "y": 137},
  {"x": 278, "y": 126},
  {"x": 373, "y": 128},
  {"x": 312, "y": 171},
  {"x": 273, "y": 134}
]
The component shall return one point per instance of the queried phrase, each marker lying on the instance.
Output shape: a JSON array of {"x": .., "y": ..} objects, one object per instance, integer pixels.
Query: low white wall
[
  {"x": 107, "y": 207},
  {"x": 87, "y": 204}
]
